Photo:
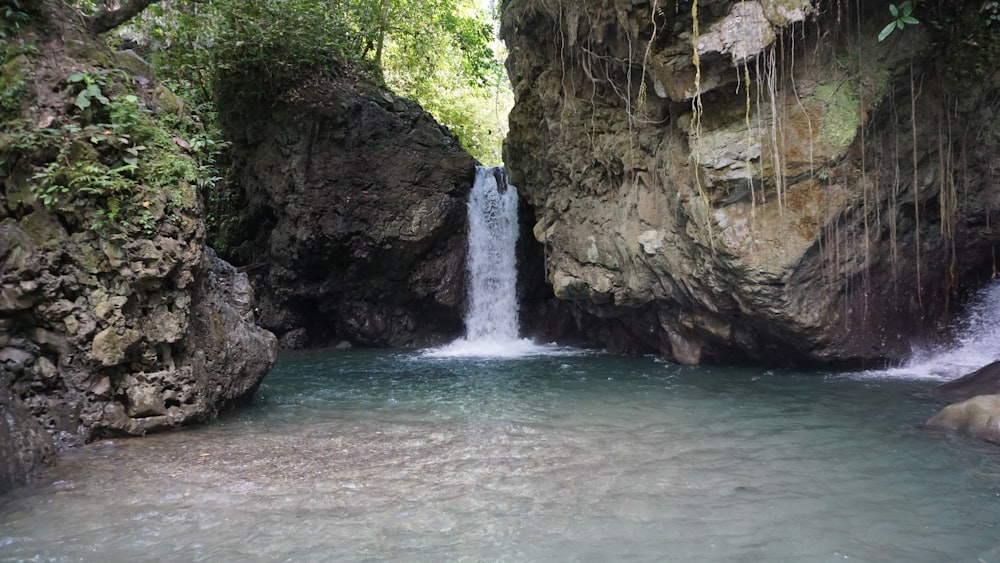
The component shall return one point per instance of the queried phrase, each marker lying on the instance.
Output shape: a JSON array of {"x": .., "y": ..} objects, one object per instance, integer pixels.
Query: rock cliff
[
  {"x": 114, "y": 316},
  {"x": 348, "y": 209},
  {"x": 756, "y": 180}
]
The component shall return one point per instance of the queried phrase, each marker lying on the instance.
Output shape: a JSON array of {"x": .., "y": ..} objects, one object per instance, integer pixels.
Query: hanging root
[{"x": 697, "y": 109}]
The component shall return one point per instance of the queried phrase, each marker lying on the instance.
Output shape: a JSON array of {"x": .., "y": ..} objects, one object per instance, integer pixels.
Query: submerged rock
[{"x": 978, "y": 411}]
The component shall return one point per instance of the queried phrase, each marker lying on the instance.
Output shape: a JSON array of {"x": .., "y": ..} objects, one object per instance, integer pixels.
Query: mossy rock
[
  {"x": 90, "y": 51},
  {"x": 132, "y": 63},
  {"x": 12, "y": 80},
  {"x": 41, "y": 226},
  {"x": 17, "y": 193},
  {"x": 167, "y": 101},
  {"x": 840, "y": 122}
]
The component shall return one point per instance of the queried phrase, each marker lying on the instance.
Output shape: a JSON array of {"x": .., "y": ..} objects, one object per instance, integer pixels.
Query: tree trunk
[{"x": 382, "y": 26}]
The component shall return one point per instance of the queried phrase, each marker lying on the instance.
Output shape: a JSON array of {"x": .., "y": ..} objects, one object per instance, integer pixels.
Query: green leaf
[
  {"x": 886, "y": 31},
  {"x": 893, "y": 10},
  {"x": 82, "y": 101},
  {"x": 79, "y": 77},
  {"x": 899, "y": 24},
  {"x": 910, "y": 20},
  {"x": 906, "y": 8}
]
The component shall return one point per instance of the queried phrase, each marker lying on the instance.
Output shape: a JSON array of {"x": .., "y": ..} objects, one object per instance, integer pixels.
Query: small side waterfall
[
  {"x": 978, "y": 343},
  {"x": 492, "y": 261}
]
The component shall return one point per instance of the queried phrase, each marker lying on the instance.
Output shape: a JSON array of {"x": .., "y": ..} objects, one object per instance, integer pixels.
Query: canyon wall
[{"x": 765, "y": 182}]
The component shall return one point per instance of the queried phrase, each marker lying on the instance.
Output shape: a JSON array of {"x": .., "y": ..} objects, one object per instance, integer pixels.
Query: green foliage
[
  {"x": 901, "y": 18},
  {"x": 12, "y": 79},
  {"x": 118, "y": 157},
  {"x": 451, "y": 65},
  {"x": 438, "y": 52},
  {"x": 967, "y": 38},
  {"x": 91, "y": 91},
  {"x": 13, "y": 16}
]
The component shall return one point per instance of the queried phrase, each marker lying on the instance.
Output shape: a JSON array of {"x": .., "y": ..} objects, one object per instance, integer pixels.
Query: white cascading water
[
  {"x": 492, "y": 262},
  {"x": 491, "y": 321},
  {"x": 978, "y": 344}
]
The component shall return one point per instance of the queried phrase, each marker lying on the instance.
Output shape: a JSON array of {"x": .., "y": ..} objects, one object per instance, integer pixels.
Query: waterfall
[
  {"x": 491, "y": 320},
  {"x": 977, "y": 343},
  {"x": 492, "y": 261}
]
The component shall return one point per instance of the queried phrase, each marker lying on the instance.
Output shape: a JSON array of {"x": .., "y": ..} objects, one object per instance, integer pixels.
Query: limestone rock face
[
  {"x": 796, "y": 193},
  {"x": 111, "y": 350},
  {"x": 351, "y": 215}
]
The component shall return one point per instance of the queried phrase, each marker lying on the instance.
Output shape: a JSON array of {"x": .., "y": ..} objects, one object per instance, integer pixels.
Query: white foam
[
  {"x": 977, "y": 344},
  {"x": 513, "y": 348}
]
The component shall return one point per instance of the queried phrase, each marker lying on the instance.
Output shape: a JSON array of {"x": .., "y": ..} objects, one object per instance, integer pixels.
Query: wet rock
[
  {"x": 978, "y": 417},
  {"x": 294, "y": 339},
  {"x": 13, "y": 298},
  {"x": 983, "y": 381},
  {"x": 229, "y": 353},
  {"x": 111, "y": 344},
  {"x": 15, "y": 359},
  {"x": 45, "y": 369},
  {"x": 25, "y": 447},
  {"x": 146, "y": 395}
]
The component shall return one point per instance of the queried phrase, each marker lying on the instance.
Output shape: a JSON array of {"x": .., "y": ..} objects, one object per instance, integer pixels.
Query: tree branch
[{"x": 105, "y": 20}]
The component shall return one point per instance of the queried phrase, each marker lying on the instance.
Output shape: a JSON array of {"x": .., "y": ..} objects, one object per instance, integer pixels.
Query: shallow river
[{"x": 362, "y": 455}]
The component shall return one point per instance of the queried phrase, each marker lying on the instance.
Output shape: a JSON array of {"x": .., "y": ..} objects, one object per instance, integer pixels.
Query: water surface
[{"x": 362, "y": 455}]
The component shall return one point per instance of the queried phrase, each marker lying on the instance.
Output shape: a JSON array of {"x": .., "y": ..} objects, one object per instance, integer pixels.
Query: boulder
[
  {"x": 25, "y": 447},
  {"x": 348, "y": 212},
  {"x": 978, "y": 417}
]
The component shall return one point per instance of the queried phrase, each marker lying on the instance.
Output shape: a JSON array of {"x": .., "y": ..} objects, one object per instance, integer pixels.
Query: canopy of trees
[{"x": 442, "y": 53}]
